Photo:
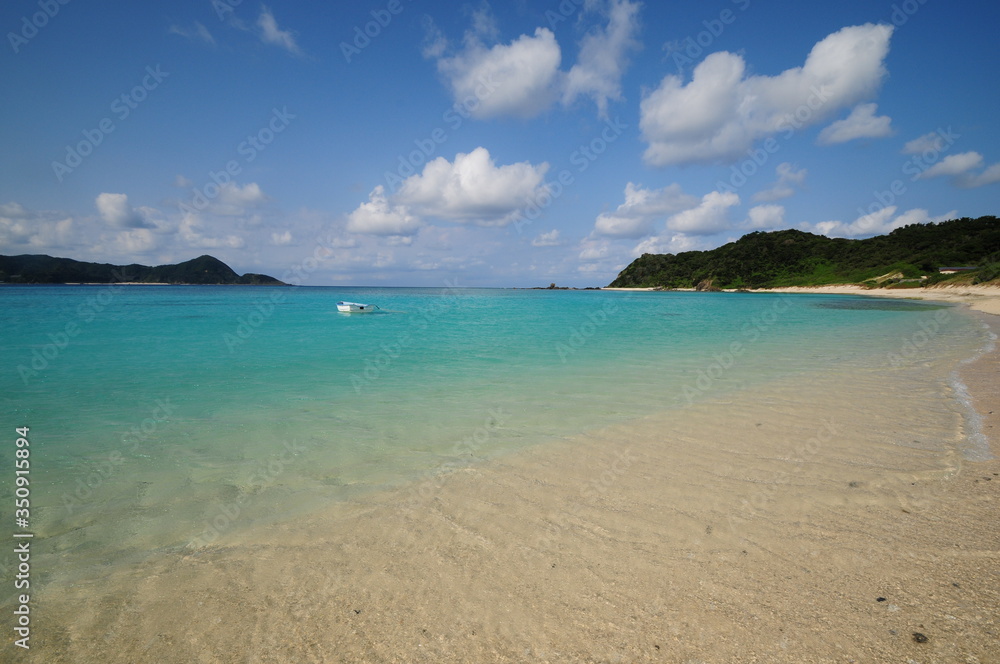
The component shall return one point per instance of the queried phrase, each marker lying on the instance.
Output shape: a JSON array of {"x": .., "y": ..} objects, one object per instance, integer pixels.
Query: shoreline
[{"x": 979, "y": 298}]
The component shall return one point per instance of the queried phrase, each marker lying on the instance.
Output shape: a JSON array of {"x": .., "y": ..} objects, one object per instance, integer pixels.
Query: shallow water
[{"x": 167, "y": 417}]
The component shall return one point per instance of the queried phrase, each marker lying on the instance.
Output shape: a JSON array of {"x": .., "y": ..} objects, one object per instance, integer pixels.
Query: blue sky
[{"x": 410, "y": 143}]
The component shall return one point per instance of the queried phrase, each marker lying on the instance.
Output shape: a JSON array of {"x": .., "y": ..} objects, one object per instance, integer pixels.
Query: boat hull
[{"x": 355, "y": 308}]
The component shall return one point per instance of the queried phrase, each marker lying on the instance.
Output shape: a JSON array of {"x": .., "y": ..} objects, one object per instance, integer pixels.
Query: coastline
[
  {"x": 979, "y": 298},
  {"x": 712, "y": 537}
]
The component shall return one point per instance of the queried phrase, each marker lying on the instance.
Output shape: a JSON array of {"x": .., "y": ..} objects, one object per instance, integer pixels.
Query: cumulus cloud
[
  {"x": 592, "y": 250},
  {"x": 883, "y": 221},
  {"x": 603, "y": 57},
  {"x": 380, "y": 217},
  {"x": 508, "y": 79},
  {"x": 115, "y": 210},
  {"x": 789, "y": 177},
  {"x": 131, "y": 242},
  {"x": 861, "y": 123},
  {"x": 523, "y": 77},
  {"x": 766, "y": 216},
  {"x": 110, "y": 235},
  {"x": 989, "y": 176},
  {"x": 710, "y": 216},
  {"x": 237, "y": 199},
  {"x": 666, "y": 244},
  {"x": 642, "y": 207},
  {"x": 23, "y": 230},
  {"x": 472, "y": 189},
  {"x": 953, "y": 164},
  {"x": 281, "y": 239},
  {"x": 270, "y": 33},
  {"x": 550, "y": 239},
  {"x": 961, "y": 167},
  {"x": 722, "y": 111}
]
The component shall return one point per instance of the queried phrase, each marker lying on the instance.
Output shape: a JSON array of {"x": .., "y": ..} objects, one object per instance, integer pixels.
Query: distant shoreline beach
[{"x": 979, "y": 298}]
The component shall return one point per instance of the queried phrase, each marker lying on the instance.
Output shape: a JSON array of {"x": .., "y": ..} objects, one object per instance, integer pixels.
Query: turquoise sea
[{"x": 163, "y": 418}]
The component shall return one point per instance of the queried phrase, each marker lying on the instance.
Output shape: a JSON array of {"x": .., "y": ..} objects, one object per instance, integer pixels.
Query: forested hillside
[
  {"x": 795, "y": 258},
  {"x": 41, "y": 269}
]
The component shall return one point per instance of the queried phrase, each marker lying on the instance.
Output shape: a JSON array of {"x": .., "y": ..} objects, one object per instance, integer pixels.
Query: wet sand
[{"x": 829, "y": 519}]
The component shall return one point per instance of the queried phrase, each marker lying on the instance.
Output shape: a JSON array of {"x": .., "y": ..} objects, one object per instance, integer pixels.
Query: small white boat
[{"x": 355, "y": 307}]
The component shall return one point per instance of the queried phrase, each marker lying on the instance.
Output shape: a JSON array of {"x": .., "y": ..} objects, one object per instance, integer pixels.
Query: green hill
[
  {"x": 795, "y": 258},
  {"x": 41, "y": 269}
]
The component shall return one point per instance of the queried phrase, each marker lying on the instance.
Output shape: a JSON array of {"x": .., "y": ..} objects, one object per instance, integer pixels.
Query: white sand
[{"x": 979, "y": 298}]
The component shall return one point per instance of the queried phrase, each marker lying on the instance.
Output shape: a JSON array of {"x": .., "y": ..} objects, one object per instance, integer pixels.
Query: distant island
[
  {"x": 911, "y": 256},
  {"x": 204, "y": 270}
]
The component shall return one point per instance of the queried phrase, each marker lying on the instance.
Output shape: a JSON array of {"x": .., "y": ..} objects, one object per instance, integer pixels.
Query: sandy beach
[
  {"x": 783, "y": 525},
  {"x": 979, "y": 298}
]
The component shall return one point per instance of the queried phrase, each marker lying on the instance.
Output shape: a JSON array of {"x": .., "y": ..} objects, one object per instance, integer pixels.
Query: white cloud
[
  {"x": 721, "y": 112},
  {"x": 133, "y": 241},
  {"x": 473, "y": 189},
  {"x": 523, "y": 78},
  {"x": 13, "y": 209},
  {"x": 672, "y": 244},
  {"x": 507, "y": 79},
  {"x": 379, "y": 217},
  {"x": 115, "y": 210},
  {"x": 877, "y": 223},
  {"x": 989, "y": 176},
  {"x": 270, "y": 33},
  {"x": 788, "y": 179},
  {"x": 435, "y": 43},
  {"x": 31, "y": 231},
  {"x": 230, "y": 200},
  {"x": 281, "y": 239},
  {"x": 235, "y": 196},
  {"x": 196, "y": 32},
  {"x": 921, "y": 216},
  {"x": 953, "y": 164},
  {"x": 861, "y": 123},
  {"x": 182, "y": 182},
  {"x": 191, "y": 231},
  {"x": 592, "y": 250},
  {"x": 710, "y": 216},
  {"x": 959, "y": 167},
  {"x": 484, "y": 24},
  {"x": 766, "y": 216},
  {"x": 642, "y": 207},
  {"x": 603, "y": 57},
  {"x": 343, "y": 243},
  {"x": 550, "y": 239},
  {"x": 932, "y": 142}
]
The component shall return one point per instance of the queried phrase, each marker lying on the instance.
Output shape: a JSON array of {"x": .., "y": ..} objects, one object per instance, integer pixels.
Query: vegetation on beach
[{"x": 907, "y": 257}]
